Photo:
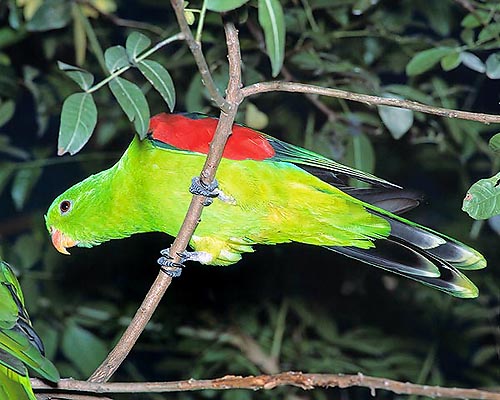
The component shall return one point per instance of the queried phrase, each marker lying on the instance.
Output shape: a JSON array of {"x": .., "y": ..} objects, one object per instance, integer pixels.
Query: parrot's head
[{"x": 71, "y": 216}]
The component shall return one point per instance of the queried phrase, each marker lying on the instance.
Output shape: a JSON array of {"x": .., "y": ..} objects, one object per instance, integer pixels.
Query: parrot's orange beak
[{"x": 61, "y": 242}]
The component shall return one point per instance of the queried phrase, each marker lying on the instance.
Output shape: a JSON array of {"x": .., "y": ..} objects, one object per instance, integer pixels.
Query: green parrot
[
  {"x": 19, "y": 343},
  {"x": 267, "y": 192}
]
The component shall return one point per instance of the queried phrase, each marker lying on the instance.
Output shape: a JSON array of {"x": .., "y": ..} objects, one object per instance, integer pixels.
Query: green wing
[
  {"x": 319, "y": 165},
  {"x": 19, "y": 343}
]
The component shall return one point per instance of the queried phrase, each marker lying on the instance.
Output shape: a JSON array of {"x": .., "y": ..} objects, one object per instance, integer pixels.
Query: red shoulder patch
[{"x": 192, "y": 134}]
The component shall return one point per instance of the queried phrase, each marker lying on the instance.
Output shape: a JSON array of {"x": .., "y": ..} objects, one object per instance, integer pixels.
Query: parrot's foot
[
  {"x": 210, "y": 191},
  {"x": 174, "y": 269}
]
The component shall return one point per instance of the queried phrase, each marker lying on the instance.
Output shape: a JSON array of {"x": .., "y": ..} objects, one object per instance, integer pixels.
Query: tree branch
[
  {"x": 195, "y": 47},
  {"x": 279, "y": 86},
  {"x": 116, "y": 357},
  {"x": 297, "y": 379}
]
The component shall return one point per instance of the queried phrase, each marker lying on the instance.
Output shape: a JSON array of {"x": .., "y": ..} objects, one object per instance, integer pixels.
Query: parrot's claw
[
  {"x": 174, "y": 269},
  {"x": 171, "y": 268},
  {"x": 209, "y": 191}
]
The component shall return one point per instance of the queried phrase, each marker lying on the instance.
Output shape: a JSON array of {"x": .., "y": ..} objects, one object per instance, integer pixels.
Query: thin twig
[
  {"x": 294, "y": 87},
  {"x": 297, "y": 379},
  {"x": 162, "y": 282},
  {"x": 195, "y": 47}
]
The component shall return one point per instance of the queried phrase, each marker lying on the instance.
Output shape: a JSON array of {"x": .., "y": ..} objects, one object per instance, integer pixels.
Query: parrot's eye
[{"x": 65, "y": 206}]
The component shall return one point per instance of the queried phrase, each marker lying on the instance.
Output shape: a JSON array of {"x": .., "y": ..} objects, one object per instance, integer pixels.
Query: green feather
[{"x": 14, "y": 386}]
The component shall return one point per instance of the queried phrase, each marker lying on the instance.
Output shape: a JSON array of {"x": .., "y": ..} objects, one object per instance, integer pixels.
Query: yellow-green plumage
[
  {"x": 265, "y": 201},
  {"x": 19, "y": 343}
]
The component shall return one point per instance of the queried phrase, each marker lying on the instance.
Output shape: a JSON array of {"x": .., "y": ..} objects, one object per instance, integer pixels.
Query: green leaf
[
  {"x": 84, "y": 349},
  {"x": 116, "y": 57},
  {"x": 254, "y": 118},
  {"x": 426, "y": 59},
  {"x": 494, "y": 143},
  {"x": 159, "y": 77},
  {"x": 474, "y": 20},
  {"x": 472, "y": 61},
  {"x": 23, "y": 183},
  {"x": 450, "y": 61},
  {"x": 78, "y": 120},
  {"x": 483, "y": 198},
  {"x": 133, "y": 103},
  {"x": 136, "y": 44},
  {"x": 489, "y": 32},
  {"x": 83, "y": 78},
  {"x": 493, "y": 66},
  {"x": 484, "y": 354},
  {"x": 397, "y": 120},
  {"x": 7, "y": 109},
  {"x": 273, "y": 23},
  {"x": 360, "y": 155},
  {"x": 224, "y": 5},
  {"x": 52, "y": 14}
]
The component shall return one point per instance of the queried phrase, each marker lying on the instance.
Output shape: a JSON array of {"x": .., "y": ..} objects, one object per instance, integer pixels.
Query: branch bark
[
  {"x": 297, "y": 379},
  {"x": 294, "y": 87}
]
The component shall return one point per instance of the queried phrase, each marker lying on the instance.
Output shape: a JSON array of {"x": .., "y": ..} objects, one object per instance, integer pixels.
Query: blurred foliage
[{"x": 309, "y": 309}]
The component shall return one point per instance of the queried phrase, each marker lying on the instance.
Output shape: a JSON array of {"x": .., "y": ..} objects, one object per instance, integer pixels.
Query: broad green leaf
[
  {"x": 52, "y": 14},
  {"x": 494, "y": 143},
  {"x": 360, "y": 155},
  {"x": 273, "y": 23},
  {"x": 7, "y": 109},
  {"x": 397, "y": 120},
  {"x": 472, "y": 61},
  {"x": 136, "y": 44},
  {"x": 224, "y": 5},
  {"x": 493, "y": 66},
  {"x": 483, "y": 198},
  {"x": 159, "y": 77},
  {"x": 116, "y": 57},
  {"x": 78, "y": 120},
  {"x": 133, "y": 103},
  {"x": 450, "y": 61},
  {"x": 426, "y": 59},
  {"x": 23, "y": 183},
  {"x": 84, "y": 349},
  {"x": 83, "y": 78}
]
